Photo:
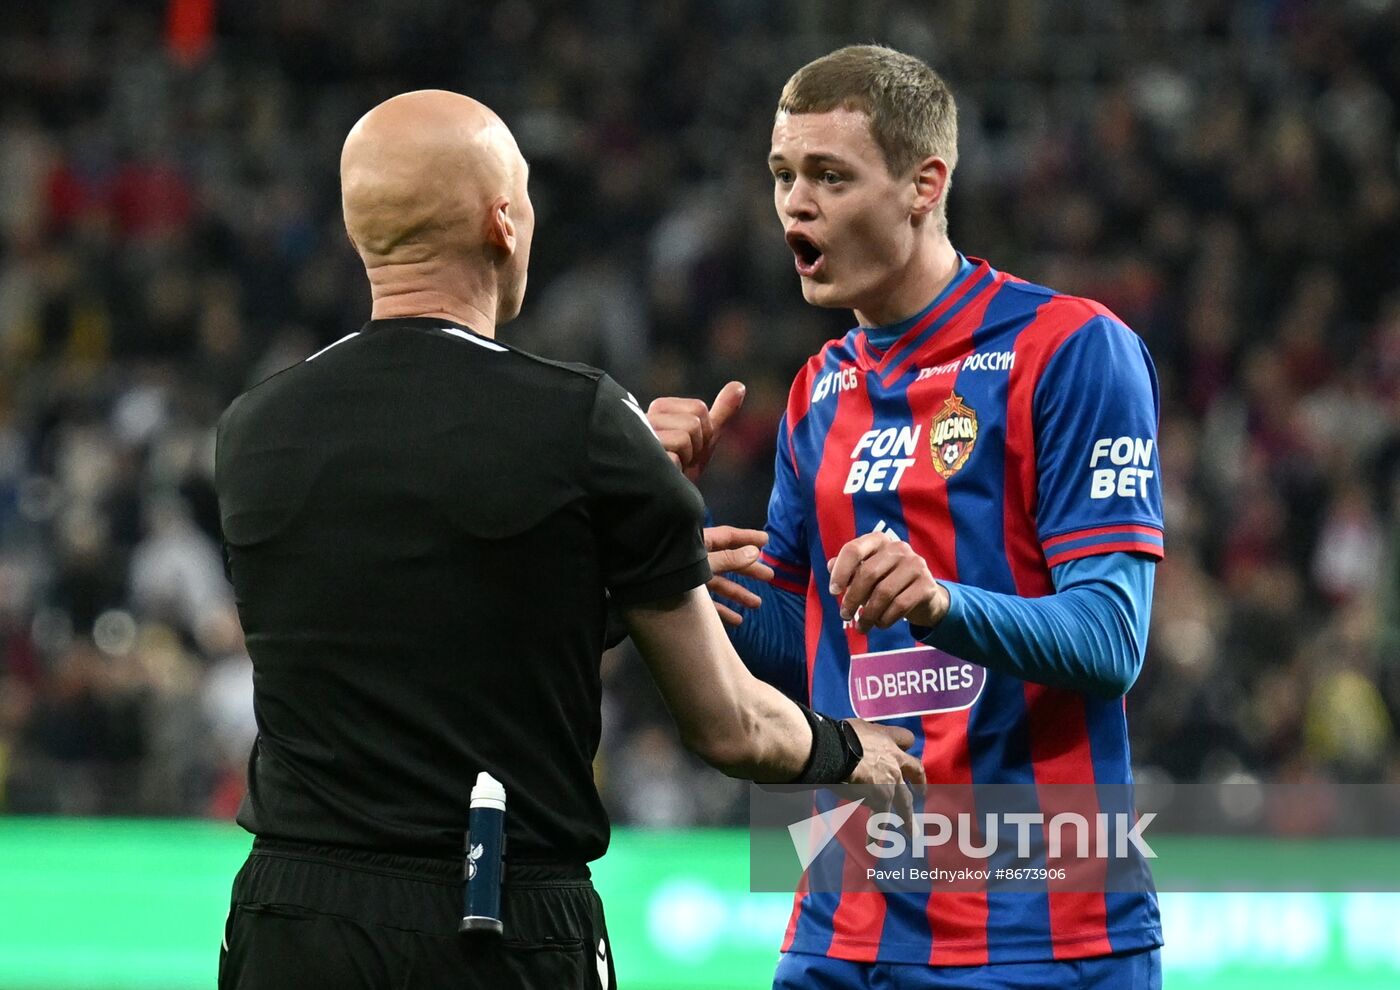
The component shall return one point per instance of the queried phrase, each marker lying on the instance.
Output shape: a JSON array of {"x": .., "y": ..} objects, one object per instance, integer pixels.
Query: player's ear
[
  {"x": 500, "y": 228},
  {"x": 930, "y": 185}
]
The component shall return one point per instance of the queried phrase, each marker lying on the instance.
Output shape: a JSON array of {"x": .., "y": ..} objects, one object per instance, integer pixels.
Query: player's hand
[
  {"x": 880, "y": 580},
  {"x": 689, "y": 429},
  {"x": 735, "y": 551},
  {"x": 887, "y": 767}
]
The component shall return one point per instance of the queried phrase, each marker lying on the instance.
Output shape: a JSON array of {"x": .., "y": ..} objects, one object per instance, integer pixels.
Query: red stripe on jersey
[
  {"x": 772, "y": 560},
  {"x": 800, "y": 398},
  {"x": 957, "y": 919},
  {"x": 1054, "y": 322},
  {"x": 783, "y": 584},
  {"x": 1128, "y": 546},
  {"x": 1057, "y": 725},
  {"x": 796, "y": 912},
  {"x": 788, "y": 577},
  {"x": 965, "y": 322},
  {"x": 799, "y": 404},
  {"x": 859, "y": 916},
  {"x": 1084, "y": 534},
  {"x": 859, "y": 919},
  {"x": 812, "y": 631},
  {"x": 1060, "y": 755}
]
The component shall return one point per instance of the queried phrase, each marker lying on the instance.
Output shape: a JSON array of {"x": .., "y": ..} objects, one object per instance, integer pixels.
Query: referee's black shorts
[{"x": 311, "y": 917}]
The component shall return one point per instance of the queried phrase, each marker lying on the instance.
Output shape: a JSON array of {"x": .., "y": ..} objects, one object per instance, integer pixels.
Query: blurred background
[{"x": 1224, "y": 175}]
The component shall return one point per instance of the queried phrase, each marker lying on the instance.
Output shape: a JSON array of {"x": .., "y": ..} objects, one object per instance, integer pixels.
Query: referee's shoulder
[
  {"x": 521, "y": 367},
  {"x": 569, "y": 373},
  {"x": 260, "y": 389}
]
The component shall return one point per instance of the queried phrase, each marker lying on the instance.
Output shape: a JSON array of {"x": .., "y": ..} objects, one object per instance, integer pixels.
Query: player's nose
[{"x": 798, "y": 201}]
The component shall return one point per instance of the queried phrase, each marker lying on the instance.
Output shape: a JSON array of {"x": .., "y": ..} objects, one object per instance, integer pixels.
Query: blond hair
[{"x": 911, "y": 109}]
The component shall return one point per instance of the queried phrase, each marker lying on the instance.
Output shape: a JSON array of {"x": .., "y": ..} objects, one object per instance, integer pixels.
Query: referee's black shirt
[{"x": 421, "y": 524}]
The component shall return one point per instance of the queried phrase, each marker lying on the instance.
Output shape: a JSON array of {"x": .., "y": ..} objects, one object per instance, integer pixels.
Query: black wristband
[{"x": 827, "y": 763}]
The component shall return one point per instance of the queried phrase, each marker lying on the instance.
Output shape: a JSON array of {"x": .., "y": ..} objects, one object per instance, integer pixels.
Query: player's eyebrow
[{"x": 811, "y": 159}]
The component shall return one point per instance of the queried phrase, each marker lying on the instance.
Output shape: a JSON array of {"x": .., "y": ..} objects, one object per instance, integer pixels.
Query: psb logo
[
  {"x": 472, "y": 857},
  {"x": 953, "y": 435}
]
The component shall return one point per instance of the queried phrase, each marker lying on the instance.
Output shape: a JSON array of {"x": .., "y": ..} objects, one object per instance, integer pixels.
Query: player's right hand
[
  {"x": 887, "y": 767},
  {"x": 689, "y": 429}
]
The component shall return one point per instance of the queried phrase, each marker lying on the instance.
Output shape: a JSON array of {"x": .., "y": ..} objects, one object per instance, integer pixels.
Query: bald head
[{"x": 435, "y": 178}]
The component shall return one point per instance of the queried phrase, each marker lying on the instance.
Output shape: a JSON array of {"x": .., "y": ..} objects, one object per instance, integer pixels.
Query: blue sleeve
[
  {"x": 1099, "y": 484},
  {"x": 1089, "y": 636},
  {"x": 770, "y": 640},
  {"x": 786, "y": 551}
]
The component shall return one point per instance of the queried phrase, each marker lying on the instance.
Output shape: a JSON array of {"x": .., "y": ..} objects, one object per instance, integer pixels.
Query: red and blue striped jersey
[{"x": 1009, "y": 429}]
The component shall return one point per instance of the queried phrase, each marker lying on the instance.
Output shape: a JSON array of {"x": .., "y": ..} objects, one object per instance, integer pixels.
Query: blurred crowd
[{"x": 1224, "y": 175}]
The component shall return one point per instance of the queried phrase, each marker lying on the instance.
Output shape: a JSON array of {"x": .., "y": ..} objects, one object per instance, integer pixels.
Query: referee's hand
[
  {"x": 735, "y": 551},
  {"x": 887, "y": 767},
  {"x": 689, "y": 430}
]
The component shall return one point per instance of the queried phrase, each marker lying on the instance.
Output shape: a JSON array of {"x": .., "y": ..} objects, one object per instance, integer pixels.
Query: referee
[{"x": 424, "y": 528}]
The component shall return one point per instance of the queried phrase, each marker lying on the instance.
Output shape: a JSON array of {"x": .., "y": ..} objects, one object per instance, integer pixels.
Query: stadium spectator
[{"x": 1207, "y": 170}]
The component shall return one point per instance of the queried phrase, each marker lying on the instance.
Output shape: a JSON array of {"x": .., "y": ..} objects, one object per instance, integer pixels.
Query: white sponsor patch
[
  {"x": 1128, "y": 473},
  {"x": 835, "y": 381},
  {"x": 880, "y": 459},
  {"x": 990, "y": 361}
]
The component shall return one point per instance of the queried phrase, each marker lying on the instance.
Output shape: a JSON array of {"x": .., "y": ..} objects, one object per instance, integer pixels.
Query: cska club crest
[{"x": 953, "y": 435}]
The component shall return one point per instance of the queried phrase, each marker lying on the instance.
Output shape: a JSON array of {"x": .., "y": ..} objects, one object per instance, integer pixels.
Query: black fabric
[
  {"x": 827, "y": 762},
  {"x": 307, "y": 917},
  {"x": 422, "y": 531}
]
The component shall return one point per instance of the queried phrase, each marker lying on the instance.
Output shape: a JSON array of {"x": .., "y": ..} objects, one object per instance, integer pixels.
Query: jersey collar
[
  {"x": 418, "y": 323},
  {"x": 946, "y": 310}
]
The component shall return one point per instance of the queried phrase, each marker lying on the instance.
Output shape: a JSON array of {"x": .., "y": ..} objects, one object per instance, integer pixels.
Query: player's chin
[{"x": 824, "y": 293}]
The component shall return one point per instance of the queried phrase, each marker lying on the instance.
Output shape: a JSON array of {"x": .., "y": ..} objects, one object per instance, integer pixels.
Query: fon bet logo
[{"x": 953, "y": 435}]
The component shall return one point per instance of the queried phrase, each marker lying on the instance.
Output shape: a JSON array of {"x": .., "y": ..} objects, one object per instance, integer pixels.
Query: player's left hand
[
  {"x": 880, "y": 580},
  {"x": 735, "y": 551}
]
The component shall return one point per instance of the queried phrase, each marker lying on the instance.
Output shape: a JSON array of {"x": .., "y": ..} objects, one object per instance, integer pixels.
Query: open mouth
[{"x": 807, "y": 256}]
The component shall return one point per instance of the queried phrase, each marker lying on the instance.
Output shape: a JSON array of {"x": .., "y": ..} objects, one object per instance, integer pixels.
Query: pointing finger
[{"x": 726, "y": 404}]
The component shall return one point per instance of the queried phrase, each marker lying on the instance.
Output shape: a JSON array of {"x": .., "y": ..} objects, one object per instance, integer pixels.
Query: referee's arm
[
  {"x": 746, "y": 728},
  {"x": 648, "y": 519},
  {"x": 726, "y": 716}
]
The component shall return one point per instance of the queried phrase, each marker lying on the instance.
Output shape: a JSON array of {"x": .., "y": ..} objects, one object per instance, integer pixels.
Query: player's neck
[
  {"x": 432, "y": 289},
  {"x": 909, "y": 290}
]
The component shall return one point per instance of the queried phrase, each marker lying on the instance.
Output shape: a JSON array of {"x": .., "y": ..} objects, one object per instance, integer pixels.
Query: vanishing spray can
[{"x": 486, "y": 846}]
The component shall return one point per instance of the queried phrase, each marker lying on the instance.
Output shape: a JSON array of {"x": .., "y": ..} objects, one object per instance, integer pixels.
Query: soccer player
[
  {"x": 972, "y": 468},
  {"x": 424, "y": 528}
]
